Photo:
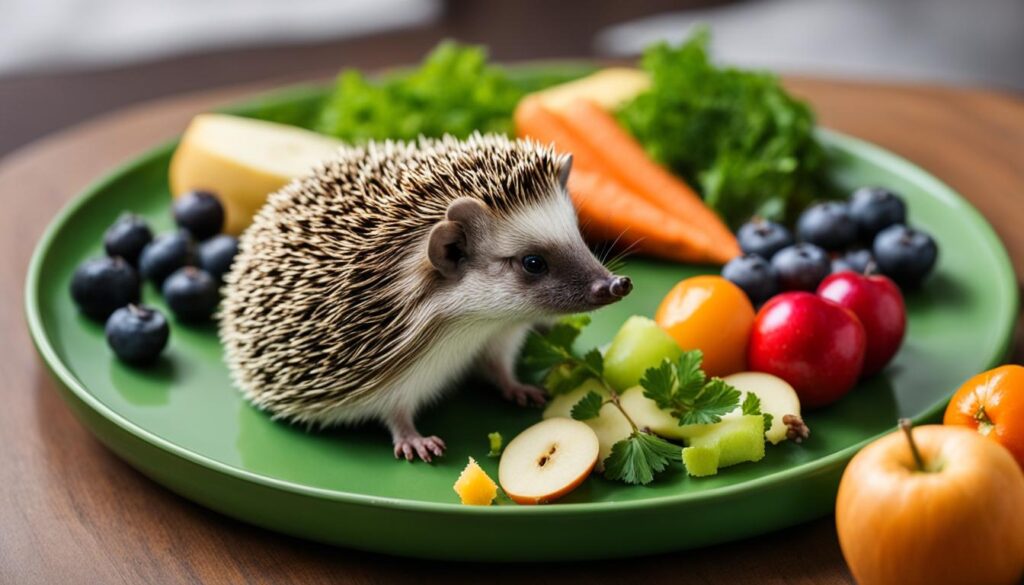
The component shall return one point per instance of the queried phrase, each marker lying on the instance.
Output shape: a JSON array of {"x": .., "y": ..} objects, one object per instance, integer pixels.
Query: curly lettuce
[
  {"x": 455, "y": 91},
  {"x": 736, "y": 136}
]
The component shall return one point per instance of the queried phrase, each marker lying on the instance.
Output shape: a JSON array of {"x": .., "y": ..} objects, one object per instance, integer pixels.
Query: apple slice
[
  {"x": 547, "y": 460},
  {"x": 645, "y": 413},
  {"x": 778, "y": 398},
  {"x": 610, "y": 426},
  {"x": 639, "y": 344}
]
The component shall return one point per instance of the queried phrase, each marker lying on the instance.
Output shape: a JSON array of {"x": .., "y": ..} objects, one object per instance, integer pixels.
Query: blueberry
[
  {"x": 827, "y": 225},
  {"x": 854, "y": 261},
  {"x": 191, "y": 294},
  {"x": 164, "y": 255},
  {"x": 216, "y": 254},
  {"x": 102, "y": 285},
  {"x": 137, "y": 334},
  {"x": 874, "y": 209},
  {"x": 754, "y": 275},
  {"x": 199, "y": 212},
  {"x": 905, "y": 255},
  {"x": 127, "y": 237},
  {"x": 763, "y": 237},
  {"x": 801, "y": 267}
]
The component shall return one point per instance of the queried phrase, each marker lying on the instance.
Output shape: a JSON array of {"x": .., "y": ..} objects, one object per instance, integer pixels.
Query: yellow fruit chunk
[
  {"x": 474, "y": 486},
  {"x": 242, "y": 161},
  {"x": 608, "y": 88}
]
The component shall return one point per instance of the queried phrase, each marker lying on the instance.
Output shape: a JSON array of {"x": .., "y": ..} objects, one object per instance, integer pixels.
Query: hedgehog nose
[{"x": 609, "y": 290}]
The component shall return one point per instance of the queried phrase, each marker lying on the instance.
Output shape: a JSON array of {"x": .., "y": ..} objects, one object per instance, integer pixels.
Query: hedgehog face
[{"x": 532, "y": 263}]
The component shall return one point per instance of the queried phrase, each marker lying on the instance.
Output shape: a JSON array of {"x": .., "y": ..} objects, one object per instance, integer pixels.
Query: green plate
[{"x": 184, "y": 425}]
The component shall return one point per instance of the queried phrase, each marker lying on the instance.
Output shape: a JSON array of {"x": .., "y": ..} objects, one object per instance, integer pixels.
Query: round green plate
[{"x": 183, "y": 424}]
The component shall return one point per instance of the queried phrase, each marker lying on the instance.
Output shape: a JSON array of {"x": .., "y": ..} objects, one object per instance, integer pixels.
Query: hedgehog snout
[{"x": 610, "y": 289}]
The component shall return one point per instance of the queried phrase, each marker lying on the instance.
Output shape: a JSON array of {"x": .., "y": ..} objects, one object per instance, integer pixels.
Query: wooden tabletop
[{"x": 70, "y": 512}]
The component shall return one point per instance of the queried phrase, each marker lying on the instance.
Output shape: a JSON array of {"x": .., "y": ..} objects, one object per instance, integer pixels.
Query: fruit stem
[
  {"x": 985, "y": 423},
  {"x": 906, "y": 425}
]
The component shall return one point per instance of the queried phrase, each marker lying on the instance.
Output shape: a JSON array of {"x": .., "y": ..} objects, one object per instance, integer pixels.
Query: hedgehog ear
[
  {"x": 564, "y": 169},
  {"x": 447, "y": 247},
  {"x": 451, "y": 240}
]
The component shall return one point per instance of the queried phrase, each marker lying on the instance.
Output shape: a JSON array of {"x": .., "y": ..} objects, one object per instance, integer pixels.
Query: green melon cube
[
  {"x": 701, "y": 461},
  {"x": 737, "y": 440}
]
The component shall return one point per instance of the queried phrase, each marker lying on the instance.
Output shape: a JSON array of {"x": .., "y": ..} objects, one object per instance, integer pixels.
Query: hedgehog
[{"x": 366, "y": 289}]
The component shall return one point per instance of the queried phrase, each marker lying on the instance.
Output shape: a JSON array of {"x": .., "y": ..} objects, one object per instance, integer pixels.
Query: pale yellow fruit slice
[
  {"x": 547, "y": 460},
  {"x": 609, "y": 88},
  {"x": 778, "y": 398},
  {"x": 609, "y": 426},
  {"x": 242, "y": 161}
]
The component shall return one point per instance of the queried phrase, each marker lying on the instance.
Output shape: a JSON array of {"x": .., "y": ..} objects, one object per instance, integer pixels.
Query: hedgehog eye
[{"x": 535, "y": 264}]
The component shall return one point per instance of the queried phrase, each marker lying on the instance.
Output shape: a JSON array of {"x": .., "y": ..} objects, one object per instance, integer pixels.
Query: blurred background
[{"x": 73, "y": 59}]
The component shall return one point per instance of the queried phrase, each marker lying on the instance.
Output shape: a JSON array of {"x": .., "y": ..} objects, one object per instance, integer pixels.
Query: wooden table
[{"x": 70, "y": 512}]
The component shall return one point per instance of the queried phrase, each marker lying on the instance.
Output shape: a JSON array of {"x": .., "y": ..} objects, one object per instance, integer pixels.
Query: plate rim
[{"x": 877, "y": 155}]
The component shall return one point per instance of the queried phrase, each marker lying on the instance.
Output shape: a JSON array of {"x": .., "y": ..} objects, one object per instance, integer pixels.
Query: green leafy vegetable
[
  {"x": 552, "y": 352},
  {"x": 496, "y": 444},
  {"x": 455, "y": 91},
  {"x": 737, "y": 136},
  {"x": 636, "y": 459},
  {"x": 752, "y": 405},
  {"x": 684, "y": 391},
  {"x": 588, "y": 407}
]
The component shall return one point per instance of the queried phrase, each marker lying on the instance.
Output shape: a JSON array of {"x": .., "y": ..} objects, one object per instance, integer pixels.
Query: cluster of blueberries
[
  {"x": 186, "y": 265},
  {"x": 866, "y": 234}
]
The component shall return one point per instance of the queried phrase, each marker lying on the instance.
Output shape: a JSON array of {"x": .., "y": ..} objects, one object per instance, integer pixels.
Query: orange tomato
[
  {"x": 956, "y": 518},
  {"x": 713, "y": 315},
  {"x": 993, "y": 403}
]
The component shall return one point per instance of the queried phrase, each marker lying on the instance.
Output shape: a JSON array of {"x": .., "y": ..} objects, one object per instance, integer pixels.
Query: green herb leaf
[
  {"x": 688, "y": 370},
  {"x": 637, "y": 458},
  {"x": 682, "y": 389},
  {"x": 715, "y": 400},
  {"x": 588, "y": 407},
  {"x": 751, "y": 404},
  {"x": 659, "y": 383},
  {"x": 594, "y": 362}
]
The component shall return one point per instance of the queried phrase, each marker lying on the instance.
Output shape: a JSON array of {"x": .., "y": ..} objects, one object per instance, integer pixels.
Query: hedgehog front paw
[
  {"x": 524, "y": 394},
  {"x": 426, "y": 448}
]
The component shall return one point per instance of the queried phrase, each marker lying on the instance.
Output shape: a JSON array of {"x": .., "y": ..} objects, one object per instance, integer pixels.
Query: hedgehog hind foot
[
  {"x": 523, "y": 394},
  {"x": 426, "y": 448}
]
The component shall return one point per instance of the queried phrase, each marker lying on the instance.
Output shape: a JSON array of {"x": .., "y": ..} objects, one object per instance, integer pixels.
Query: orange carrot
[
  {"x": 624, "y": 158},
  {"x": 534, "y": 120},
  {"x": 609, "y": 211},
  {"x": 681, "y": 228}
]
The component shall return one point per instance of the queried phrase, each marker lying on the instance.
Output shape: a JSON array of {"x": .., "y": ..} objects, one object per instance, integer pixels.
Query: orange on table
[
  {"x": 993, "y": 403},
  {"x": 713, "y": 315}
]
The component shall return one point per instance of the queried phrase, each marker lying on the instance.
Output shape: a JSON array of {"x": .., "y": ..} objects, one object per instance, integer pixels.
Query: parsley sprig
[
  {"x": 679, "y": 387},
  {"x": 682, "y": 389}
]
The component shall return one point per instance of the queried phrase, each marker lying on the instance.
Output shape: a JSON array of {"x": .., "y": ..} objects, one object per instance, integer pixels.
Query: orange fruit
[{"x": 713, "y": 315}]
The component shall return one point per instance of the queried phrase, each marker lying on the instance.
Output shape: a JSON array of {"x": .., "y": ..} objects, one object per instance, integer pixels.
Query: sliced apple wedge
[
  {"x": 778, "y": 399},
  {"x": 609, "y": 426},
  {"x": 645, "y": 413},
  {"x": 547, "y": 460}
]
